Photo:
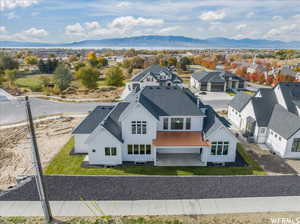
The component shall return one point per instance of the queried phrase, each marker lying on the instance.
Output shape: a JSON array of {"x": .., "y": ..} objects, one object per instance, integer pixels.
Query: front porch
[{"x": 174, "y": 148}]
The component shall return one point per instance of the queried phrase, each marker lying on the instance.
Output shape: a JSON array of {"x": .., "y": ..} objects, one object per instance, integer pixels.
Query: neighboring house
[
  {"x": 287, "y": 71},
  {"x": 161, "y": 125},
  {"x": 217, "y": 81},
  {"x": 155, "y": 75},
  {"x": 272, "y": 117}
]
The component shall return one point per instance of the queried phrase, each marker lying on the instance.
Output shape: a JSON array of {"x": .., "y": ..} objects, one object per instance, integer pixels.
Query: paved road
[
  {"x": 217, "y": 104},
  {"x": 73, "y": 188},
  {"x": 14, "y": 112},
  {"x": 254, "y": 87}
]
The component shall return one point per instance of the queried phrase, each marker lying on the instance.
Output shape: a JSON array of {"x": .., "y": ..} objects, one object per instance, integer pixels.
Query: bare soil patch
[{"x": 15, "y": 147}]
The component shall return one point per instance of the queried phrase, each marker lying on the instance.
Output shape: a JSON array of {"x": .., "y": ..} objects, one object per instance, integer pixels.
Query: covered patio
[{"x": 180, "y": 149}]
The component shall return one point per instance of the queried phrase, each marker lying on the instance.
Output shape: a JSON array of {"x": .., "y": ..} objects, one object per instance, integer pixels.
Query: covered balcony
[{"x": 184, "y": 148}]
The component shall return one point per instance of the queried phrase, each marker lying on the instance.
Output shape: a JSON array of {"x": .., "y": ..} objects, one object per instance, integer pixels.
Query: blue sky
[{"x": 74, "y": 20}]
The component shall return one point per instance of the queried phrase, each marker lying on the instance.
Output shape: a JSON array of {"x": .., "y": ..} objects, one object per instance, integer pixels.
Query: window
[
  {"x": 188, "y": 123},
  {"x": 279, "y": 138},
  {"x": 129, "y": 148},
  {"x": 139, "y": 127},
  {"x": 296, "y": 145},
  {"x": 110, "y": 151},
  {"x": 139, "y": 149},
  {"x": 176, "y": 123},
  {"x": 148, "y": 149},
  {"x": 93, "y": 150},
  {"x": 166, "y": 123},
  {"x": 262, "y": 130},
  {"x": 275, "y": 135},
  {"x": 136, "y": 149},
  {"x": 213, "y": 148},
  {"x": 219, "y": 148}
]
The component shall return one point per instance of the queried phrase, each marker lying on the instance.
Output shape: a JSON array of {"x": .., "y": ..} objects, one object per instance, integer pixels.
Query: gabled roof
[
  {"x": 283, "y": 122},
  {"x": 215, "y": 76},
  {"x": 263, "y": 106},
  {"x": 213, "y": 121},
  {"x": 168, "y": 101},
  {"x": 89, "y": 124},
  {"x": 291, "y": 95},
  {"x": 154, "y": 71},
  {"x": 240, "y": 101}
]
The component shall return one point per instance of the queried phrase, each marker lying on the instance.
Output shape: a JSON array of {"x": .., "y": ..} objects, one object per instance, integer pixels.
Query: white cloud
[
  {"x": 250, "y": 15},
  {"x": 11, "y": 4},
  {"x": 277, "y": 18},
  {"x": 212, "y": 15},
  {"x": 241, "y": 26},
  {"x": 2, "y": 29},
  {"x": 129, "y": 21},
  {"x": 124, "y": 4},
  {"x": 277, "y": 33},
  {"x": 121, "y": 26},
  {"x": 31, "y": 34},
  {"x": 169, "y": 30},
  {"x": 75, "y": 29}
]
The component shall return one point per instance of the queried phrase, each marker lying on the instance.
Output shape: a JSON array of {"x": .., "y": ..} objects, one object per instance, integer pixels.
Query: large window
[
  {"x": 139, "y": 127},
  {"x": 177, "y": 123},
  {"x": 296, "y": 145},
  {"x": 188, "y": 123},
  {"x": 110, "y": 151},
  {"x": 140, "y": 149},
  {"x": 166, "y": 123},
  {"x": 219, "y": 148}
]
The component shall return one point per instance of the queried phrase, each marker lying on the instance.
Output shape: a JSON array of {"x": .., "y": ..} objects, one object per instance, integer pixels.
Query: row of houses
[{"x": 271, "y": 117}]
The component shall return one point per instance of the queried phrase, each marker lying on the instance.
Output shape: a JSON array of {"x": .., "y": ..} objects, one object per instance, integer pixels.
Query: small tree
[
  {"x": 62, "y": 77},
  {"x": 88, "y": 76},
  {"x": 11, "y": 76},
  {"x": 31, "y": 60},
  {"x": 7, "y": 62},
  {"x": 114, "y": 76}
]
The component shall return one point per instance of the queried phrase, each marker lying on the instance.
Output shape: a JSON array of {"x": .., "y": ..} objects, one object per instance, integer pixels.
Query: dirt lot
[
  {"x": 251, "y": 218},
  {"x": 15, "y": 147}
]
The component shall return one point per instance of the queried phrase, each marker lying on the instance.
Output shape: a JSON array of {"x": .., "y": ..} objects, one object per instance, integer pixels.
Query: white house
[
  {"x": 272, "y": 117},
  {"x": 216, "y": 81},
  {"x": 155, "y": 75},
  {"x": 161, "y": 125}
]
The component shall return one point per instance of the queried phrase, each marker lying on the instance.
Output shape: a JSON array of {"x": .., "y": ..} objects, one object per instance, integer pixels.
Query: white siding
[
  {"x": 222, "y": 135},
  {"x": 138, "y": 113},
  {"x": 194, "y": 83},
  {"x": 277, "y": 144},
  {"x": 234, "y": 116},
  {"x": 104, "y": 139},
  {"x": 246, "y": 112},
  {"x": 279, "y": 96},
  {"x": 80, "y": 146}
]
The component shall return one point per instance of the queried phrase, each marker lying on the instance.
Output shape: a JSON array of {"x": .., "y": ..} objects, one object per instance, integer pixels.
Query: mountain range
[{"x": 155, "y": 41}]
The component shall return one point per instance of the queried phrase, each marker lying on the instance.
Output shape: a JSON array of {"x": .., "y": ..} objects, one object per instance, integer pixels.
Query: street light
[{"x": 35, "y": 156}]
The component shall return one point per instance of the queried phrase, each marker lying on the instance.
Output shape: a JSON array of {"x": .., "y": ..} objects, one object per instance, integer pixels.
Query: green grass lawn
[
  {"x": 32, "y": 82},
  {"x": 65, "y": 164}
]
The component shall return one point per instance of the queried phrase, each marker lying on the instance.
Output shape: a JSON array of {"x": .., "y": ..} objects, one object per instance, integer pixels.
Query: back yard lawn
[
  {"x": 65, "y": 164},
  {"x": 32, "y": 82}
]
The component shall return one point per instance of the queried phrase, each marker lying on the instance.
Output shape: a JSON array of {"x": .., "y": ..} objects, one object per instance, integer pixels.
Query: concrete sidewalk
[{"x": 154, "y": 207}]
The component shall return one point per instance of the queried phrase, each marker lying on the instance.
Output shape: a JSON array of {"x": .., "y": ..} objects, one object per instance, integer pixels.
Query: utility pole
[{"x": 38, "y": 167}]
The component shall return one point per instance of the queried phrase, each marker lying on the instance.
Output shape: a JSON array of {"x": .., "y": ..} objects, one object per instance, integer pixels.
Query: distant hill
[{"x": 164, "y": 41}]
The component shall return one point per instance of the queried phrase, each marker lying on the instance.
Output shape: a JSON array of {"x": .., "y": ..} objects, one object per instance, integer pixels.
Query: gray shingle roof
[
  {"x": 283, "y": 122},
  {"x": 168, "y": 101},
  {"x": 240, "y": 101},
  {"x": 213, "y": 121},
  {"x": 263, "y": 106},
  {"x": 155, "y": 71},
  {"x": 88, "y": 125},
  {"x": 112, "y": 123},
  {"x": 291, "y": 95},
  {"x": 215, "y": 76}
]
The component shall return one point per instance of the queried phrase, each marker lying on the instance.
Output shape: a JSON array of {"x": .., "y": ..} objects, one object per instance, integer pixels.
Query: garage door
[
  {"x": 178, "y": 150},
  {"x": 217, "y": 87}
]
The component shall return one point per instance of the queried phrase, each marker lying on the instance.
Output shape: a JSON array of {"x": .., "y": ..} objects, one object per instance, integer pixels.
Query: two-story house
[
  {"x": 271, "y": 117},
  {"x": 154, "y": 75},
  {"x": 166, "y": 126}
]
